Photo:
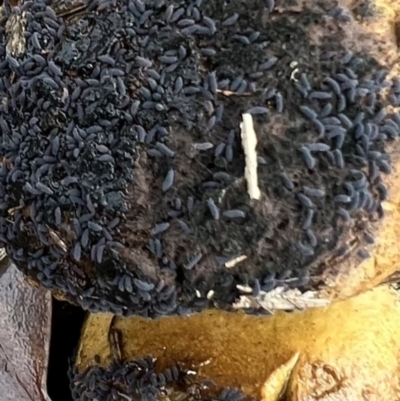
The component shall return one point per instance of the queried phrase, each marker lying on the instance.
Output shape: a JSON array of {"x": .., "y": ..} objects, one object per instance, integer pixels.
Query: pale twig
[{"x": 249, "y": 143}]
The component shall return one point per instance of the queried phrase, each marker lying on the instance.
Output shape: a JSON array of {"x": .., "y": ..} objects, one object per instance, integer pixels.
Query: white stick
[{"x": 249, "y": 143}]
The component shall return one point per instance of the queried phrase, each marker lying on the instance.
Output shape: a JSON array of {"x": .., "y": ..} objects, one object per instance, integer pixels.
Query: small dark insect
[
  {"x": 270, "y": 5},
  {"x": 384, "y": 166},
  {"x": 159, "y": 228},
  {"x": 368, "y": 238},
  {"x": 286, "y": 181},
  {"x": 142, "y": 285},
  {"x": 312, "y": 239},
  {"x": 391, "y": 131},
  {"x": 35, "y": 41},
  {"x": 341, "y": 104},
  {"x": 168, "y": 59},
  {"x": 177, "y": 14},
  {"x": 156, "y": 247},
  {"x": 333, "y": 85},
  {"x": 349, "y": 85},
  {"x": 257, "y": 110},
  {"x": 168, "y": 181},
  {"x": 256, "y": 75},
  {"x": 128, "y": 284},
  {"x": 210, "y": 25},
  {"x": 320, "y": 127},
  {"x": 304, "y": 82},
  {"x": 254, "y": 36},
  {"x": 242, "y": 39},
  {"x": 342, "y": 77},
  {"x": 236, "y": 83},
  {"x": 106, "y": 158},
  {"x": 90, "y": 205},
  {"x": 279, "y": 102},
  {"x": 185, "y": 228},
  {"x": 222, "y": 176},
  {"x": 99, "y": 253},
  {"x": 212, "y": 82},
  {"x": 12, "y": 61},
  {"x": 149, "y": 105},
  {"x": 230, "y": 20},
  {"x": 143, "y": 62},
  {"x": 337, "y": 154},
  {"x": 326, "y": 110},
  {"x": 134, "y": 107},
  {"x": 192, "y": 29},
  {"x": 69, "y": 180},
  {"x": 342, "y": 199},
  {"x": 185, "y": 22},
  {"x": 57, "y": 216},
  {"x": 268, "y": 64},
  {"x": 307, "y": 157},
  {"x": 94, "y": 226},
  {"x": 308, "y": 219},
  {"x": 85, "y": 238},
  {"x": 305, "y": 201},
  {"x": 102, "y": 149},
  {"x": 114, "y": 223},
  {"x": 169, "y": 12},
  {"x": 345, "y": 121},
  {"x": 363, "y": 254},
  {"x": 382, "y": 190},
  {"x": 346, "y": 58},
  {"x": 379, "y": 116},
  {"x": 210, "y": 123},
  {"x": 178, "y": 85},
  {"x": 116, "y": 72},
  {"x": 44, "y": 188},
  {"x": 49, "y": 81},
  {"x": 301, "y": 89},
  {"x": 219, "y": 111},
  {"x": 308, "y": 112},
  {"x": 331, "y": 121},
  {"x": 256, "y": 288},
  {"x": 190, "y": 204},
  {"x": 219, "y": 149},
  {"x": 320, "y": 95},
  {"x": 165, "y": 149},
  {"x": 106, "y": 60},
  {"x": 190, "y": 90},
  {"x": 208, "y": 52},
  {"x": 55, "y": 145},
  {"x": 39, "y": 59},
  {"x": 234, "y": 214},
  {"x": 305, "y": 249},
  {"x": 314, "y": 192},
  {"x": 213, "y": 209},
  {"x": 55, "y": 69},
  {"x": 77, "y": 252},
  {"x": 193, "y": 261}
]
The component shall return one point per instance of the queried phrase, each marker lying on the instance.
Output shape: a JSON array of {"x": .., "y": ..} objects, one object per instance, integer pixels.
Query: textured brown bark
[{"x": 25, "y": 319}]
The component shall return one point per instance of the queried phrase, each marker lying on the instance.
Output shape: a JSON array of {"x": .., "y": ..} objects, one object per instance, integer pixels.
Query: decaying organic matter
[{"x": 108, "y": 199}]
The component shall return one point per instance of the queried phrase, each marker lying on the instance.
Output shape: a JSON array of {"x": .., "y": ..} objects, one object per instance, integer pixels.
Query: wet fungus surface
[{"x": 122, "y": 177}]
